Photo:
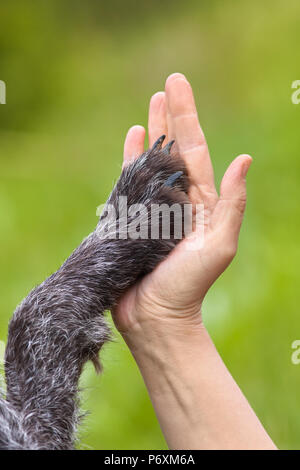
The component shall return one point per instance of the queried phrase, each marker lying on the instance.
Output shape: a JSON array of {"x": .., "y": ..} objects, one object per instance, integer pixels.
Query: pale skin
[{"x": 197, "y": 402}]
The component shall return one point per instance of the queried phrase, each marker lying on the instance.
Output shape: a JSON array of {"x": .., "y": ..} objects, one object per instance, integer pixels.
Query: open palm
[{"x": 176, "y": 288}]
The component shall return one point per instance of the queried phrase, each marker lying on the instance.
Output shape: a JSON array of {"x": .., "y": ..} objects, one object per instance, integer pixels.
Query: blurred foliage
[{"x": 78, "y": 74}]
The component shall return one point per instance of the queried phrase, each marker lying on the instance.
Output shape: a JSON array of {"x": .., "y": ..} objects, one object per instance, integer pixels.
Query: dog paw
[
  {"x": 145, "y": 213},
  {"x": 156, "y": 177}
]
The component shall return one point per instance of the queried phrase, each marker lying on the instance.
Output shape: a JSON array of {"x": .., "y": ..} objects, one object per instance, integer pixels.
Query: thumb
[{"x": 230, "y": 208}]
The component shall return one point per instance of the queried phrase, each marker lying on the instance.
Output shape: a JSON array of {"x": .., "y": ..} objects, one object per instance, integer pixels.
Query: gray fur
[{"x": 60, "y": 324}]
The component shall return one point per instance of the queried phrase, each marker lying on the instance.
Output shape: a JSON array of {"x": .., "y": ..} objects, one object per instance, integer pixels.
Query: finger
[
  {"x": 188, "y": 133},
  {"x": 171, "y": 131},
  {"x": 134, "y": 143},
  {"x": 229, "y": 211},
  {"x": 157, "y": 121}
]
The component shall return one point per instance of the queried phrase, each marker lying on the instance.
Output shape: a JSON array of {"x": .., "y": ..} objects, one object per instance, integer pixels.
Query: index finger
[{"x": 189, "y": 136}]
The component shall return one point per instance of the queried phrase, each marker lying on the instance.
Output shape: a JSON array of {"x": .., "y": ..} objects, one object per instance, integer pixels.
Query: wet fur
[{"x": 60, "y": 325}]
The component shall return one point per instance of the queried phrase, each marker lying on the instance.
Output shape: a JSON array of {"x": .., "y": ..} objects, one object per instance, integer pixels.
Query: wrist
[
  {"x": 161, "y": 328},
  {"x": 161, "y": 347}
]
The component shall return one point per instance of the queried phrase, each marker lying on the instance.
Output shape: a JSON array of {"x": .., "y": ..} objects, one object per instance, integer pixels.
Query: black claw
[
  {"x": 157, "y": 145},
  {"x": 167, "y": 149},
  {"x": 171, "y": 180}
]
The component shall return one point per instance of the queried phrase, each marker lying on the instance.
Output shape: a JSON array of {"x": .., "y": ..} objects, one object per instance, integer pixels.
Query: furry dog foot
[
  {"x": 144, "y": 208},
  {"x": 156, "y": 177},
  {"x": 60, "y": 325}
]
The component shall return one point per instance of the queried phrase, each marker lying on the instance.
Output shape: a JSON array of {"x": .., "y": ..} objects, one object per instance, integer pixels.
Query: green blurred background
[{"x": 78, "y": 74}]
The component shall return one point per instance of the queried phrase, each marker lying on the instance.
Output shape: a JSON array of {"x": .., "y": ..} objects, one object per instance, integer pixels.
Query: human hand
[
  {"x": 173, "y": 293},
  {"x": 196, "y": 400}
]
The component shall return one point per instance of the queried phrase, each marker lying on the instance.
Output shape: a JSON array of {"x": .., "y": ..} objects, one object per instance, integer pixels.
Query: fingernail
[{"x": 246, "y": 167}]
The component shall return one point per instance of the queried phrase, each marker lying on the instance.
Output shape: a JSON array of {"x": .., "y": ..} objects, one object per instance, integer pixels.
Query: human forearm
[{"x": 197, "y": 402}]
